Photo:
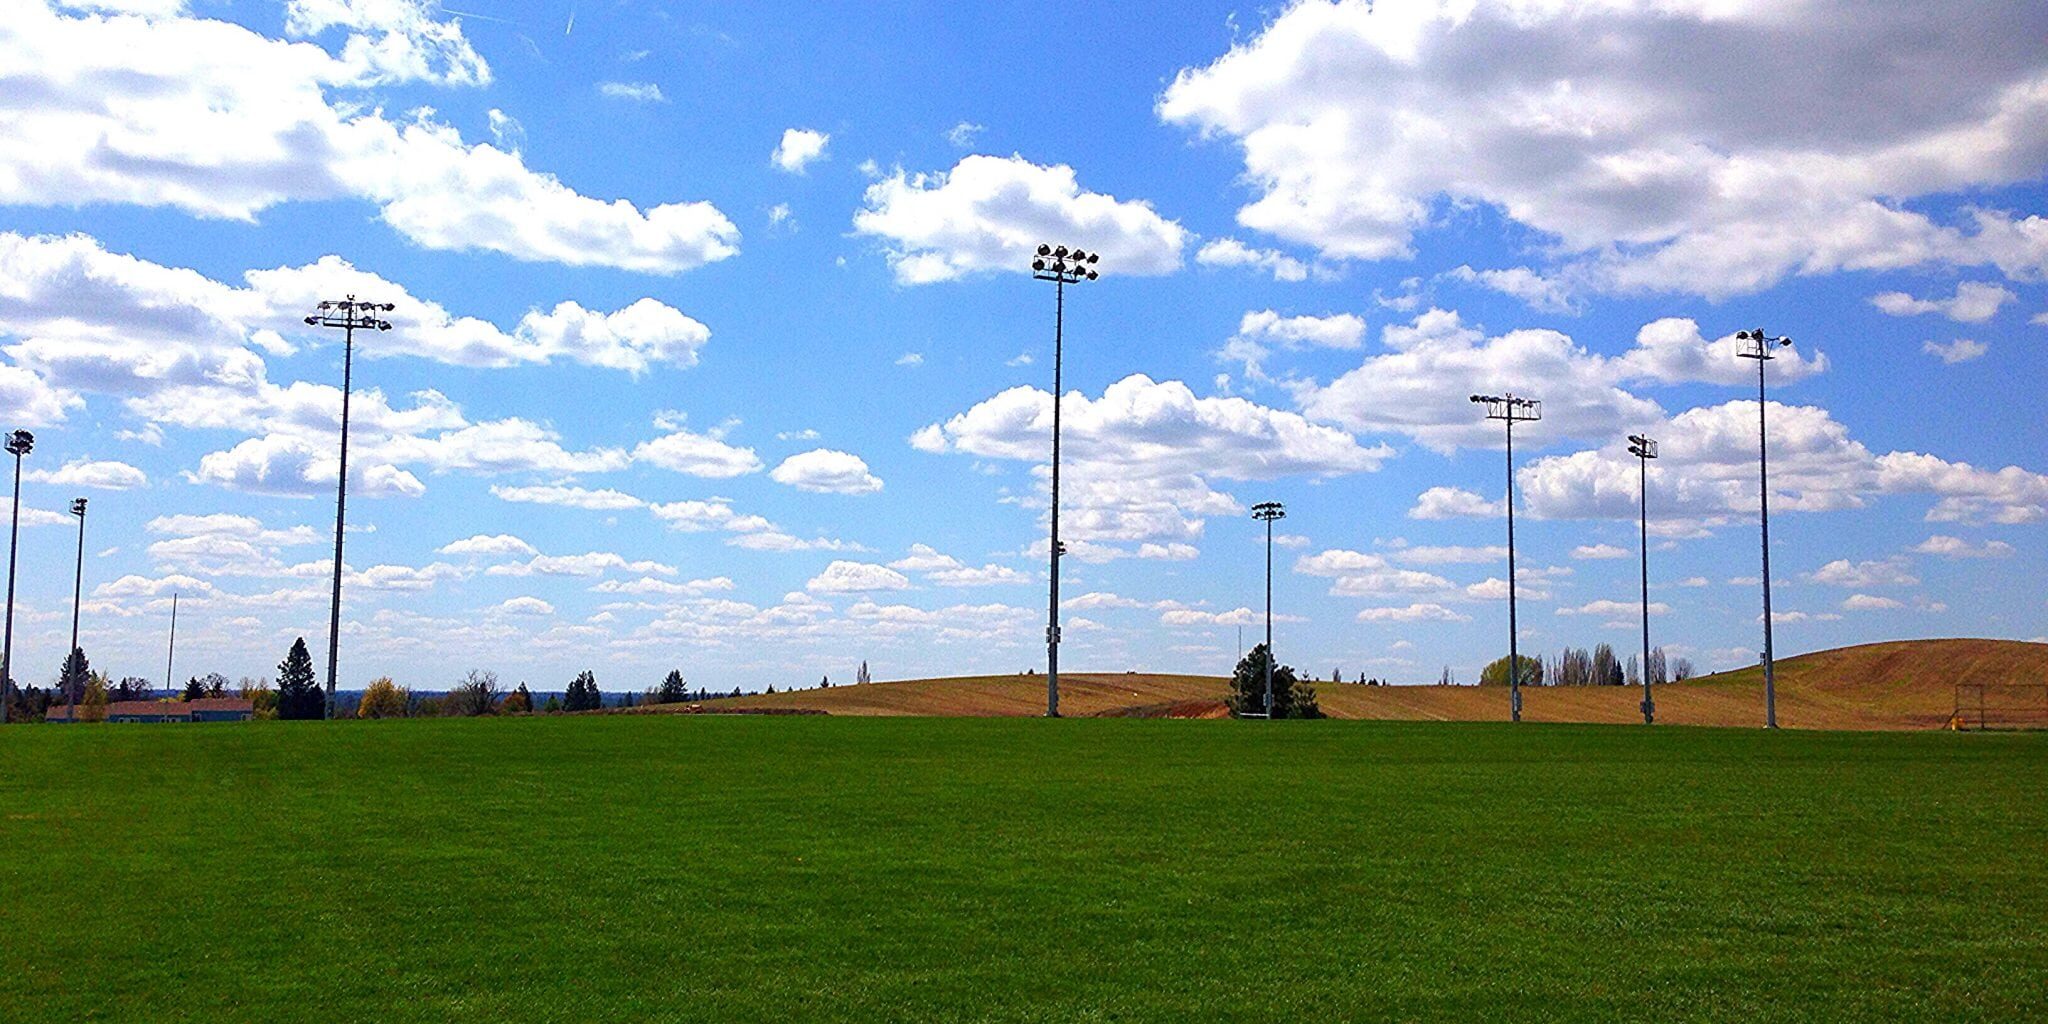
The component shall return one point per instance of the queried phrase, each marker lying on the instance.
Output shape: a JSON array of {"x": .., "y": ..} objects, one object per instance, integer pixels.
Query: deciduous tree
[
  {"x": 384, "y": 699},
  {"x": 1496, "y": 673},
  {"x": 93, "y": 707}
]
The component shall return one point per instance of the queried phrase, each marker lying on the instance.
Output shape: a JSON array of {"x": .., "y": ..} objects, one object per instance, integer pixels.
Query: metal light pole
[
  {"x": 1645, "y": 449},
  {"x": 19, "y": 443},
  {"x": 347, "y": 314},
  {"x": 1267, "y": 511},
  {"x": 1062, "y": 266},
  {"x": 1757, "y": 345},
  {"x": 1511, "y": 410},
  {"x": 77, "y": 594}
]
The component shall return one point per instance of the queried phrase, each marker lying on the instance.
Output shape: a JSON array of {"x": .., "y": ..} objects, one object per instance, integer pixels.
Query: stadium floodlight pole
[
  {"x": 1267, "y": 511},
  {"x": 1757, "y": 345},
  {"x": 1645, "y": 449},
  {"x": 347, "y": 314},
  {"x": 77, "y": 593},
  {"x": 19, "y": 443},
  {"x": 1062, "y": 266},
  {"x": 1511, "y": 410}
]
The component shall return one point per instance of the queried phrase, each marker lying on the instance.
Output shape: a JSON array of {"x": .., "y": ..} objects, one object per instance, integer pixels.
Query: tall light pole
[
  {"x": 1267, "y": 511},
  {"x": 19, "y": 443},
  {"x": 1645, "y": 449},
  {"x": 347, "y": 314},
  {"x": 1062, "y": 266},
  {"x": 77, "y": 594},
  {"x": 1511, "y": 410},
  {"x": 1757, "y": 345}
]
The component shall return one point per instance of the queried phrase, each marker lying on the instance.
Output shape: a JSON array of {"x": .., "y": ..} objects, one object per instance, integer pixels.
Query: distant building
[{"x": 210, "y": 709}]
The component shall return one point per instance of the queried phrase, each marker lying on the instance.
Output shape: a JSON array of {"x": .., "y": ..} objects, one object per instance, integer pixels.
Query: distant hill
[{"x": 1906, "y": 684}]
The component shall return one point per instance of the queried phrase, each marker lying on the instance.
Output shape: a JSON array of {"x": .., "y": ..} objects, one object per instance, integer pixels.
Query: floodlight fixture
[
  {"x": 1266, "y": 512},
  {"x": 72, "y": 687},
  {"x": 1645, "y": 449},
  {"x": 1510, "y": 409},
  {"x": 1757, "y": 345},
  {"x": 19, "y": 443},
  {"x": 349, "y": 315},
  {"x": 1062, "y": 266}
]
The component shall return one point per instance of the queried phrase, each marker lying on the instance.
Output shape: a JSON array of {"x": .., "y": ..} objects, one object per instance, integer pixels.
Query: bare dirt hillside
[{"x": 1907, "y": 684}]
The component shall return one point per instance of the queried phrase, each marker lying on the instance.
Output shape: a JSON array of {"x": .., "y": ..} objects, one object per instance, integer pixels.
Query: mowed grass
[{"x": 788, "y": 869}]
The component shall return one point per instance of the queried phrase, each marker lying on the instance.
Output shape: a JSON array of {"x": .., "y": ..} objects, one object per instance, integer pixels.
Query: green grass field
[{"x": 747, "y": 869}]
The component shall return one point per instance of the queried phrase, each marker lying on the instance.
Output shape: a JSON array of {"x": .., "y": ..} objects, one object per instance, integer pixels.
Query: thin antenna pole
[{"x": 171, "y": 650}]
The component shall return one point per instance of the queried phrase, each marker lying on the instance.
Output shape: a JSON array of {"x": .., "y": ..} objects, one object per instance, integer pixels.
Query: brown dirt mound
[
  {"x": 1907, "y": 684},
  {"x": 1194, "y": 708}
]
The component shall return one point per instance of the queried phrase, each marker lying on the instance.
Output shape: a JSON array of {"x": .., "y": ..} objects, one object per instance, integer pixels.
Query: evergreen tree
[
  {"x": 1292, "y": 698},
  {"x": 673, "y": 689},
  {"x": 521, "y": 701},
  {"x": 298, "y": 694},
  {"x": 194, "y": 690},
  {"x": 583, "y": 693},
  {"x": 71, "y": 679}
]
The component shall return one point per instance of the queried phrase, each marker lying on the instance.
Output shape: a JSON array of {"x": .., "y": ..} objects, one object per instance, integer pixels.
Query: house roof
[{"x": 171, "y": 709}]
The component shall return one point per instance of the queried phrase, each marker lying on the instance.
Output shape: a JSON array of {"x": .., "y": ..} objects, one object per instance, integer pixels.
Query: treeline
[
  {"x": 297, "y": 694},
  {"x": 1577, "y": 666},
  {"x": 480, "y": 694}
]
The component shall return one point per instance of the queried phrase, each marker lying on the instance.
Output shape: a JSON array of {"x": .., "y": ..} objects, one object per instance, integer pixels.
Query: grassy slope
[
  {"x": 789, "y": 869},
  {"x": 1900, "y": 685}
]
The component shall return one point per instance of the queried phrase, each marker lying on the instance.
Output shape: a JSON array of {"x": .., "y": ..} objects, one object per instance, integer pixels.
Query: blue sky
[{"x": 716, "y": 348}]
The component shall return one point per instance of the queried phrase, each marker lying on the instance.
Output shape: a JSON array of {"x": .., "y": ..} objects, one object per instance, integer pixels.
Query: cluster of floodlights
[
  {"x": 20, "y": 443},
  {"x": 1073, "y": 264}
]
